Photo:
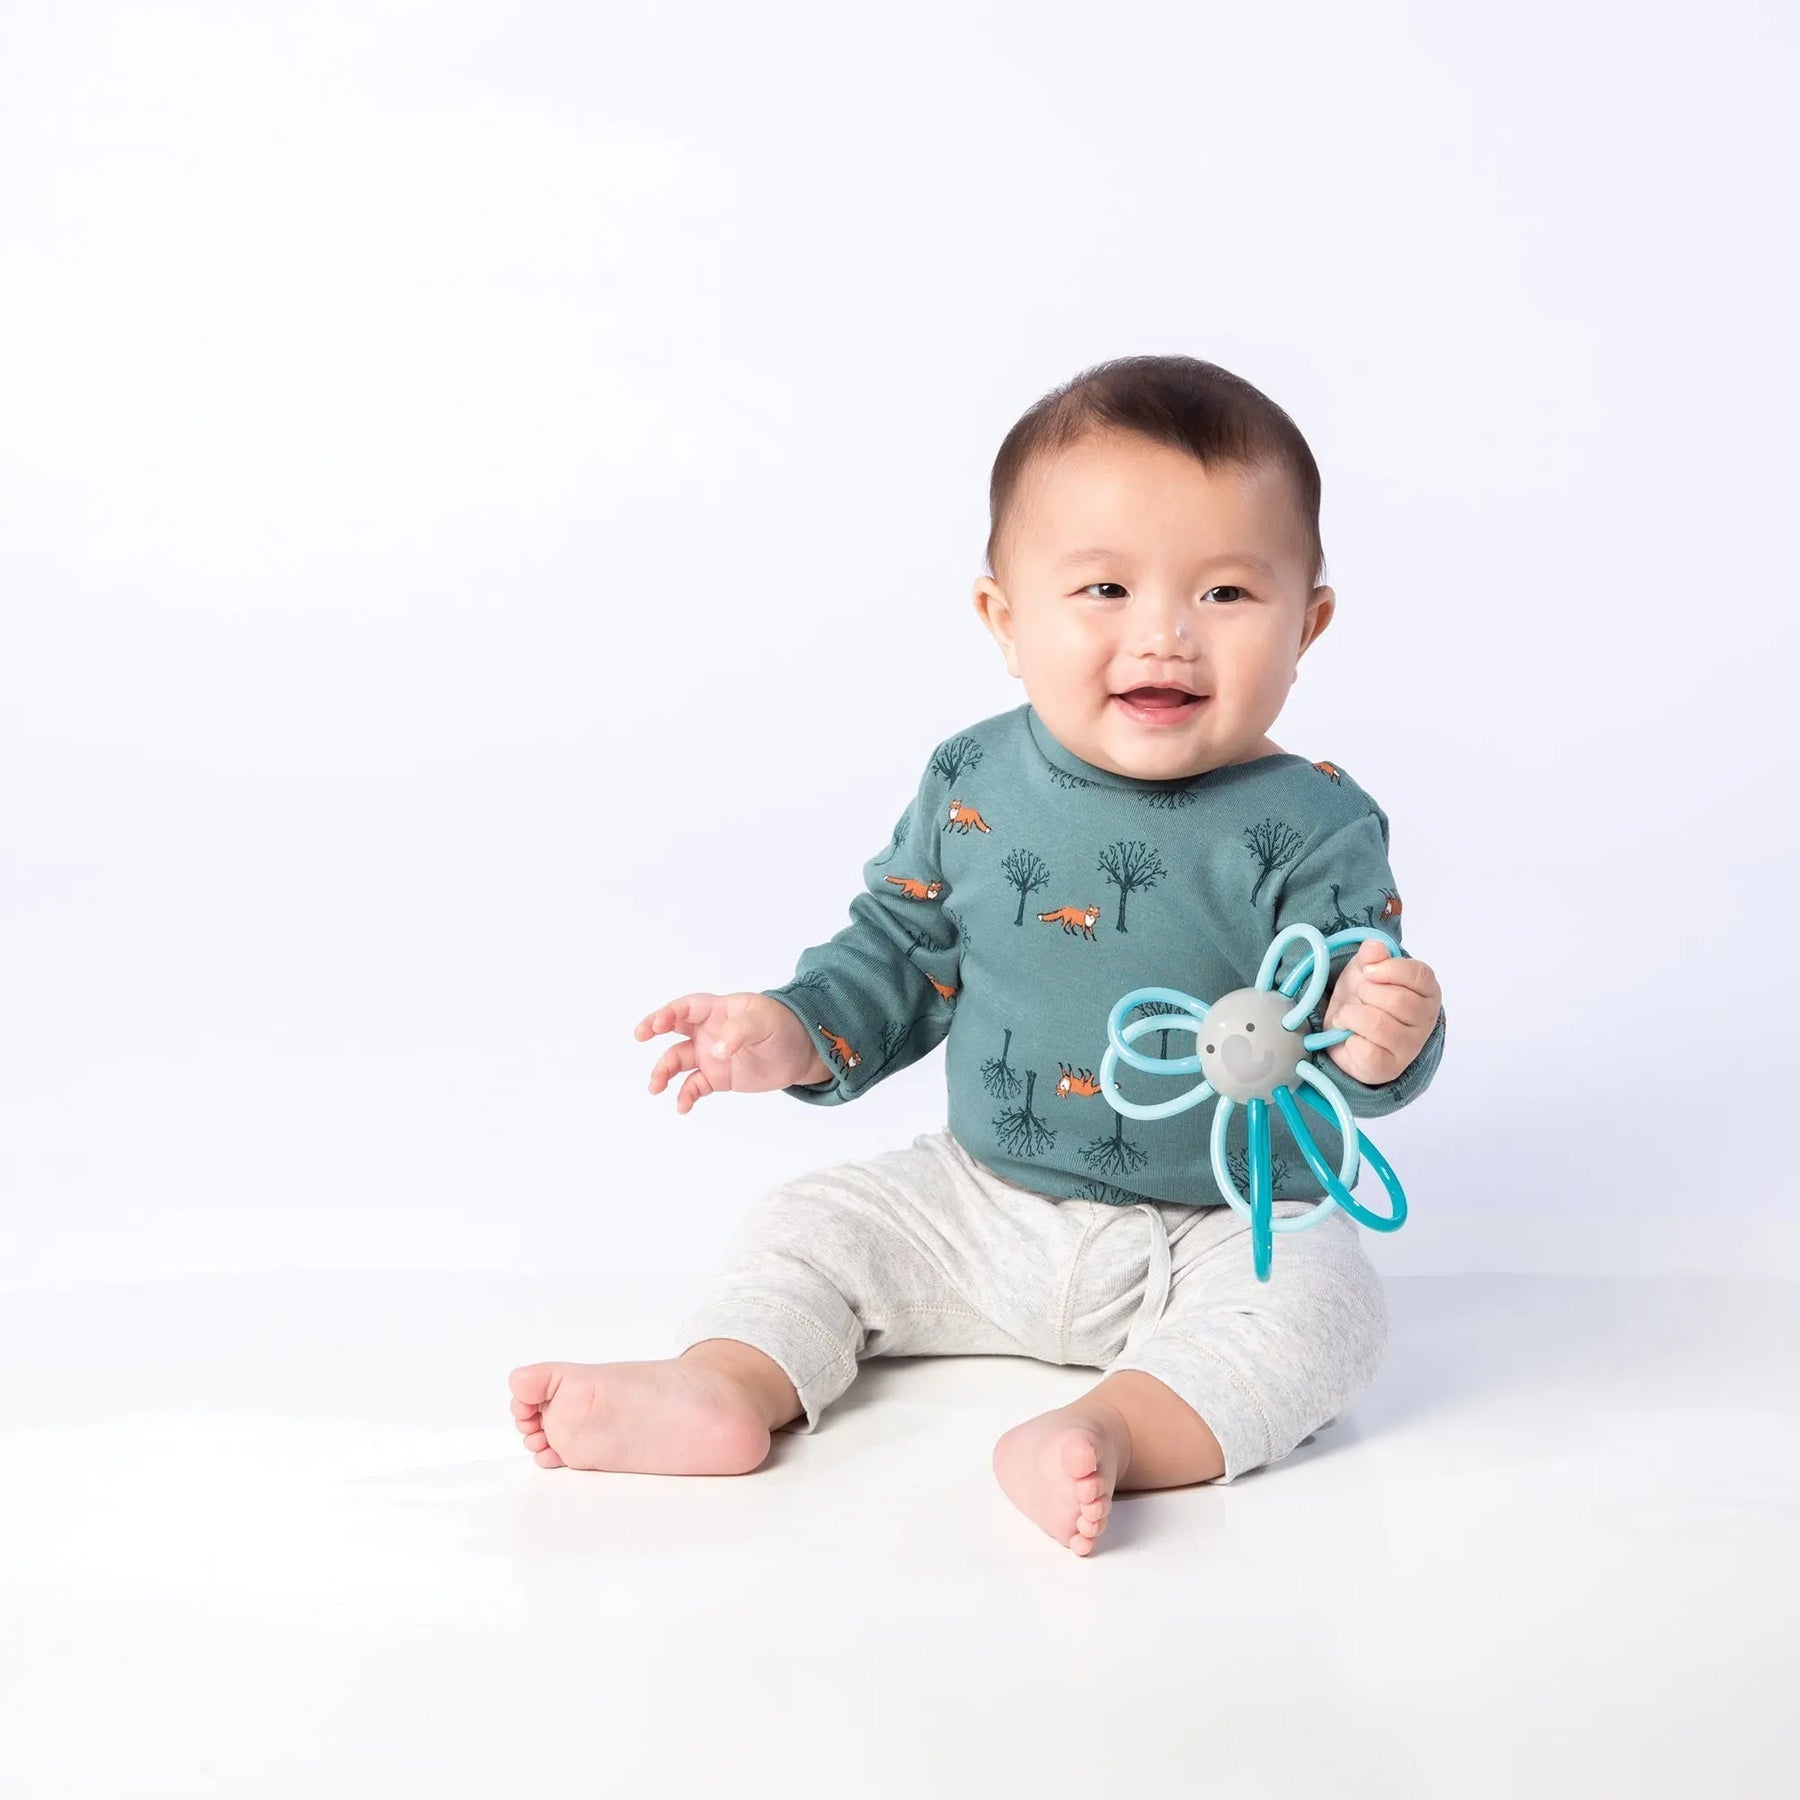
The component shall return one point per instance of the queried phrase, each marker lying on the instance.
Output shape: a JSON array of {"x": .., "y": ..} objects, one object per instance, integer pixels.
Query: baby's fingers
[
  {"x": 670, "y": 1064},
  {"x": 694, "y": 1088},
  {"x": 1380, "y": 1029},
  {"x": 678, "y": 1015},
  {"x": 1403, "y": 972},
  {"x": 1410, "y": 1008}
]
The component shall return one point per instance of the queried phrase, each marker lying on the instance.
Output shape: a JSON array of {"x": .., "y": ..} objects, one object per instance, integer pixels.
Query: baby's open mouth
[{"x": 1159, "y": 699}]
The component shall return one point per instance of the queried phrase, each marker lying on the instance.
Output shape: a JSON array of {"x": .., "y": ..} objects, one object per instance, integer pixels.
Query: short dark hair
[{"x": 1196, "y": 406}]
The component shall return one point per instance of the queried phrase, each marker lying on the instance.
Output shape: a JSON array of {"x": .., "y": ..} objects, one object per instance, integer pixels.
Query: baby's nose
[{"x": 1165, "y": 623}]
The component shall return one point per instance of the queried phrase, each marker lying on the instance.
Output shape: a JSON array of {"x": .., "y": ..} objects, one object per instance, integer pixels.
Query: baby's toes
[
  {"x": 548, "y": 1458},
  {"x": 535, "y": 1440},
  {"x": 1079, "y": 1453},
  {"x": 1089, "y": 1524}
]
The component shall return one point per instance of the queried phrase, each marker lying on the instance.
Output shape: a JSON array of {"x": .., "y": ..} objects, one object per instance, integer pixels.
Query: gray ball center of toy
[{"x": 1245, "y": 1052}]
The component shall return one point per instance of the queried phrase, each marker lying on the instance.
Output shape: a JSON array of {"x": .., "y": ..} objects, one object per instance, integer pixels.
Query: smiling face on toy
[{"x": 1244, "y": 1050}]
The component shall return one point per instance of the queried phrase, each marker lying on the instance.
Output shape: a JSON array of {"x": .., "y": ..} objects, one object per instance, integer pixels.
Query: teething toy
[{"x": 1250, "y": 1050}]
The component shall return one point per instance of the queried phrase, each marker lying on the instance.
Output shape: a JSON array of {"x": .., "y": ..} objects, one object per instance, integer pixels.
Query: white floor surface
[{"x": 276, "y": 1535}]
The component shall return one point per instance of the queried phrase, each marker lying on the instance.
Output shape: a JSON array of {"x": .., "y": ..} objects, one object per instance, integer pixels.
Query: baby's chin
[
  {"x": 1165, "y": 754},
  {"x": 1195, "y": 754},
  {"x": 1157, "y": 745}
]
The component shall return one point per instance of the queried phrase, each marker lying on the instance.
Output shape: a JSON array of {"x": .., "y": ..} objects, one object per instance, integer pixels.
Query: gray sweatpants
[{"x": 927, "y": 1252}]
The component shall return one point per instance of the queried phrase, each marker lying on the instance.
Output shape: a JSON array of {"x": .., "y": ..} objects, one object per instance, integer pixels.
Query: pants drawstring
[{"x": 1156, "y": 1281}]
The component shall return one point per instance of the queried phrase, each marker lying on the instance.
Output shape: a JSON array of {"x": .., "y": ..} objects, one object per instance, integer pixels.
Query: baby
[{"x": 1155, "y": 556}]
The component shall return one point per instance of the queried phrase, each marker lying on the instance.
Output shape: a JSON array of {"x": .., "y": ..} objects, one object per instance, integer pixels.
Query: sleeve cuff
[{"x": 832, "y": 1091}]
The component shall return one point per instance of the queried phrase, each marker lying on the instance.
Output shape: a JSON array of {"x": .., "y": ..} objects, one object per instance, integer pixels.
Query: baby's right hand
[{"x": 736, "y": 1043}]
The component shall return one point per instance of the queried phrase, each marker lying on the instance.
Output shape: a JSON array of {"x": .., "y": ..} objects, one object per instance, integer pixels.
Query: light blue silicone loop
[
  {"x": 1221, "y": 1170},
  {"x": 1109, "y": 1080},
  {"x": 1158, "y": 1065},
  {"x": 1262, "y": 1209},
  {"x": 1320, "y": 961},
  {"x": 1346, "y": 1124},
  {"x": 1381, "y": 1166},
  {"x": 1339, "y": 940},
  {"x": 1271, "y": 960}
]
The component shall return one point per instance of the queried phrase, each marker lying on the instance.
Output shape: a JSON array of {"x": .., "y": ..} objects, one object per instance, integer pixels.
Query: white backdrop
[{"x": 488, "y": 503}]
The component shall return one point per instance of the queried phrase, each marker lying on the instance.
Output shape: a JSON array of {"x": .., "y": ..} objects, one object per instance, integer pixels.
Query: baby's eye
[{"x": 1235, "y": 592}]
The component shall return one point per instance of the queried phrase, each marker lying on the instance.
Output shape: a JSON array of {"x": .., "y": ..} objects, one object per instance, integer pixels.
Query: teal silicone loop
[
  {"x": 1351, "y": 1162},
  {"x": 1262, "y": 1207},
  {"x": 1284, "y": 1099},
  {"x": 1229, "y": 1188},
  {"x": 1381, "y": 1166}
]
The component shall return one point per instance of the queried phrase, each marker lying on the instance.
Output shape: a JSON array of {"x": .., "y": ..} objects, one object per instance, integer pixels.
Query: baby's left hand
[{"x": 1391, "y": 1003}]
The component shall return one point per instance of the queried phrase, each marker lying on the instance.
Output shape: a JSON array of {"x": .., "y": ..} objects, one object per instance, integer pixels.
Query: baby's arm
[
  {"x": 879, "y": 995},
  {"x": 872, "y": 1000},
  {"x": 1392, "y": 1006}
]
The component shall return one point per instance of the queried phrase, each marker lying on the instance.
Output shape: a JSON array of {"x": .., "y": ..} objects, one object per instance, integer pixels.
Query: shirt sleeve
[
  {"x": 1345, "y": 880},
  {"x": 879, "y": 995}
]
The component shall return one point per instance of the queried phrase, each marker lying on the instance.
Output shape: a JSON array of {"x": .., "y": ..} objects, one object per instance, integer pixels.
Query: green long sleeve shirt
[{"x": 1025, "y": 890}]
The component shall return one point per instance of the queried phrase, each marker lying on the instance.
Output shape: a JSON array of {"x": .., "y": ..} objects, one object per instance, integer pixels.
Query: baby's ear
[{"x": 995, "y": 612}]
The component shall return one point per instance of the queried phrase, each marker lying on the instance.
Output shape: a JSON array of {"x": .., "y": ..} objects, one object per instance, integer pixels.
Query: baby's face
[{"x": 1130, "y": 566}]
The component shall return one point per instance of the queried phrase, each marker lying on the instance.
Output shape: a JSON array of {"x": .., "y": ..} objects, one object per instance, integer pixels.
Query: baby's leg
[
  {"x": 1130, "y": 1431},
  {"x": 1167, "y": 1443},
  {"x": 853, "y": 1259},
  {"x": 1264, "y": 1363},
  {"x": 708, "y": 1411},
  {"x": 1236, "y": 1374}
]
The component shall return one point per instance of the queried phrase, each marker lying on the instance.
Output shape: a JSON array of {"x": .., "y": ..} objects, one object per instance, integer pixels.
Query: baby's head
[{"x": 1155, "y": 523}]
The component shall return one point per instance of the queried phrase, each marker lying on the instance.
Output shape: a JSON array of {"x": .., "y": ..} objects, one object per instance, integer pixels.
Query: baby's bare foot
[
  {"x": 671, "y": 1417},
  {"x": 1060, "y": 1468}
]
